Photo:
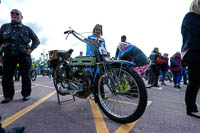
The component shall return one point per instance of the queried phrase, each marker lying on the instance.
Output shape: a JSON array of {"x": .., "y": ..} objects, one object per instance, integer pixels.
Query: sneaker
[
  {"x": 163, "y": 83},
  {"x": 195, "y": 113},
  {"x": 178, "y": 86},
  {"x": 6, "y": 100},
  {"x": 26, "y": 98}
]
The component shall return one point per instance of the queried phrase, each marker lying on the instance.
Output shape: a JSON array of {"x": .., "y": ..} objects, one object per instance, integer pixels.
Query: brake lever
[{"x": 67, "y": 36}]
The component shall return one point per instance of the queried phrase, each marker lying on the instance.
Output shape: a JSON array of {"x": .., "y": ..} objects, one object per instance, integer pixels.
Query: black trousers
[
  {"x": 193, "y": 87},
  {"x": 9, "y": 66},
  {"x": 156, "y": 71}
]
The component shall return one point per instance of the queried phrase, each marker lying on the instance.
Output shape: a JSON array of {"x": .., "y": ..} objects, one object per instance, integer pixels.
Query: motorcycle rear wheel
[{"x": 125, "y": 101}]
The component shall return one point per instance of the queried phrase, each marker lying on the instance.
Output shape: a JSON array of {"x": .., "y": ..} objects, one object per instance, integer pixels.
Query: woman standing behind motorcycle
[{"x": 97, "y": 33}]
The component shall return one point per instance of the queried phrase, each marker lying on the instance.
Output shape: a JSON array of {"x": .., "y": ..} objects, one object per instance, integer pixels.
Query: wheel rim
[
  {"x": 119, "y": 102},
  {"x": 33, "y": 75},
  {"x": 60, "y": 84}
]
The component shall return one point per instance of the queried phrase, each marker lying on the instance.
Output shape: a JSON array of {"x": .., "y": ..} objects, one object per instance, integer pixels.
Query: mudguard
[{"x": 119, "y": 63}]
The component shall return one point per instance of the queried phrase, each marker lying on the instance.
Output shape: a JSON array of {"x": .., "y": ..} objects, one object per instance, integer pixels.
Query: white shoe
[{"x": 196, "y": 113}]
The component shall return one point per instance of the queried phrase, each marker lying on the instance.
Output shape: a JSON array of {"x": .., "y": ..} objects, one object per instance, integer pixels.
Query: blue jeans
[
  {"x": 176, "y": 77},
  {"x": 184, "y": 75},
  {"x": 163, "y": 75}
]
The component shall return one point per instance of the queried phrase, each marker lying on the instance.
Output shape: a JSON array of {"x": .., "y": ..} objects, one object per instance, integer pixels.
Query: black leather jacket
[{"x": 16, "y": 38}]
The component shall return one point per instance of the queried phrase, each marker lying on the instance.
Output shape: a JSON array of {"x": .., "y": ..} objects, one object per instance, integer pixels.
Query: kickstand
[{"x": 59, "y": 100}]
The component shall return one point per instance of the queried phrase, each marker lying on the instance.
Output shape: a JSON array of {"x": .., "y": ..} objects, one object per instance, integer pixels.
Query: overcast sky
[{"x": 146, "y": 23}]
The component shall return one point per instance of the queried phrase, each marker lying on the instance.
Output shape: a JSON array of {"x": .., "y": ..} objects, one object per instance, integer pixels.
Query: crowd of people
[{"x": 15, "y": 39}]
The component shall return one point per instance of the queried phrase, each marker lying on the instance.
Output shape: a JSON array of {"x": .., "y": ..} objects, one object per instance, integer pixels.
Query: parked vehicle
[
  {"x": 33, "y": 74},
  {"x": 46, "y": 72},
  {"x": 118, "y": 89}
]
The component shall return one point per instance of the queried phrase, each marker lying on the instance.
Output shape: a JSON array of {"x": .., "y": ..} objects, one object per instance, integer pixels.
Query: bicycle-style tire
[
  {"x": 33, "y": 75},
  {"x": 149, "y": 79},
  {"x": 123, "y": 106},
  {"x": 49, "y": 74}
]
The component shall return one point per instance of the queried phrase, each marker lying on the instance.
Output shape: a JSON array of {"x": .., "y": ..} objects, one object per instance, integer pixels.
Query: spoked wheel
[
  {"x": 149, "y": 78},
  {"x": 122, "y": 96},
  {"x": 33, "y": 75},
  {"x": 49, "y": 74}
]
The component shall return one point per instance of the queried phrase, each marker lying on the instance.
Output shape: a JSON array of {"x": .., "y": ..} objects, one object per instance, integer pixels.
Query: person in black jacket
[
  {"x": 190, "y": 50},
  {"x": 15, "y": 39}
]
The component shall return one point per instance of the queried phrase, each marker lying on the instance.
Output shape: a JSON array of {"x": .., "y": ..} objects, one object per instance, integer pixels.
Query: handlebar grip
[{"x": 66, "y": 32}]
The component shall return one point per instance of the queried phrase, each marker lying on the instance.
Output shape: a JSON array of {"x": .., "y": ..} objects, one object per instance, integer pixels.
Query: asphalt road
[{"x": 42, "y": 114}]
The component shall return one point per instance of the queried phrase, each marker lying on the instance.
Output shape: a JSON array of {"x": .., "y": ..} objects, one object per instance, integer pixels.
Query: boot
[{"x": 13, "y": 130}]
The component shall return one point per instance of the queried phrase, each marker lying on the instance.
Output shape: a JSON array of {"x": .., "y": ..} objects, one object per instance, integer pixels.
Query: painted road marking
[
  {"x": 15, "y": 92},
  {"x": 19, "y": 114},
  {"x": 157, "y": 88},
  {"x": 120, "y": 101},
  {"x": 126, "y": 128},
  {"x": 43, "y": 85},
  {"x": 19, "y": 90},
  {"x": 98, "y": 118},
  {"x": 100, "y": 123}
]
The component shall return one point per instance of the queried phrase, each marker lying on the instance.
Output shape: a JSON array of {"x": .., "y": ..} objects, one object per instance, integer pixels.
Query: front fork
[{"x": 107, "y": 79}]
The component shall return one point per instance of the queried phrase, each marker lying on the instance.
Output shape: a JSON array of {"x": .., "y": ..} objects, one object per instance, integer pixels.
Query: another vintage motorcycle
[{"x": 118, "y": 89}]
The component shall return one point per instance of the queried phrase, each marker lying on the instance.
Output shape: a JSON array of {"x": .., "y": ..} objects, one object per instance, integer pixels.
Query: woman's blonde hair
[
  {"x": 98, "y": 25},
  {"x": 194, "y": 5}
]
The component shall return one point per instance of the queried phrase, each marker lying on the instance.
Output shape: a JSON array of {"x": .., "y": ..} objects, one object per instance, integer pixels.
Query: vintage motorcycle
[{"x": 118, "y": 89}]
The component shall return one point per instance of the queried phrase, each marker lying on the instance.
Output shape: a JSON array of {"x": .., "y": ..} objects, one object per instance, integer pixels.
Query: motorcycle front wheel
[{"x": 122, "y": 95}]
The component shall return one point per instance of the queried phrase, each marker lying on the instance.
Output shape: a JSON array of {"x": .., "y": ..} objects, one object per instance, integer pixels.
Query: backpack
[
  {"x": 173, "y": 62},
  {"x": 159, "y": 59}
]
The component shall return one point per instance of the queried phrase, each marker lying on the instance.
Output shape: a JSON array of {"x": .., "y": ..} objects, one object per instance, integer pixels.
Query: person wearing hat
[{"x": 123, "y": 38}]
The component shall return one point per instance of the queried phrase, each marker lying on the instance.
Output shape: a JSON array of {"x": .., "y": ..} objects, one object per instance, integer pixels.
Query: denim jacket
[{"x": 89, "y": 50}]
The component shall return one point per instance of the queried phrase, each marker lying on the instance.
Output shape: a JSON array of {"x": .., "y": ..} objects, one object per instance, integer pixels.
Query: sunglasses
[{"x": 12, "y": 13}]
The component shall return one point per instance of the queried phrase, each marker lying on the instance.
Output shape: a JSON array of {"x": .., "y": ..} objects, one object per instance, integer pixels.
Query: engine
[{"x": 82, "y": 79}]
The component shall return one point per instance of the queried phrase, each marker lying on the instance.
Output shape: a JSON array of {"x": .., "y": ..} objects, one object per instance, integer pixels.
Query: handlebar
[
  {"x": 82, "y": 38},
  {"x": 77, "y": 35},
  {"x": 69, "y": 31}
]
